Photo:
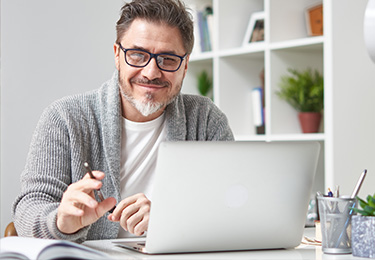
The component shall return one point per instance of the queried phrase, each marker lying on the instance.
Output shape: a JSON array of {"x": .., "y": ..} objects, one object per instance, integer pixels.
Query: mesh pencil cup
[{"x": 335, "y": 220}]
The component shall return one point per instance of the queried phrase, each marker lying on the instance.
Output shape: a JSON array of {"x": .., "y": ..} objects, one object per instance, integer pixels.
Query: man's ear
[
  {"x": 186, "y": 64},
  {"x": 116, "y": 49}
]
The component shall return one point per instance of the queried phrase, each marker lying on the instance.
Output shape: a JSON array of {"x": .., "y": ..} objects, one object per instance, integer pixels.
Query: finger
[
  {"x": 78, "y": 199},
  {"x": 134, "y": 214},
  {"x": 86, "y": 185},
  {"x": 137, "y": 224},
  {"x": 97, "y": 174},
  {"x": 70, "y": 209},
  {"x": 128, "y": 212},
  {"x": 142, "y": 226},
  {"x": 139, "y": 198},
  {"x": 105, "y": 206},
  {"x": 116, "y": 215}
]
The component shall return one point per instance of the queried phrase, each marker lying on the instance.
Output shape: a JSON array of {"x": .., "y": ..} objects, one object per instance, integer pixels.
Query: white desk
[{"x": 301, "y": 252}]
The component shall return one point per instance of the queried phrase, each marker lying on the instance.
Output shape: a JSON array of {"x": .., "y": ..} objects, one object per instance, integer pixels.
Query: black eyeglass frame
[{"x": 152, "y": 55}]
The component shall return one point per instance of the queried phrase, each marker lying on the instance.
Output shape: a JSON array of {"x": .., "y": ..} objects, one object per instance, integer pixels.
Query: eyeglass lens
[{"x": 141, "y": 58}]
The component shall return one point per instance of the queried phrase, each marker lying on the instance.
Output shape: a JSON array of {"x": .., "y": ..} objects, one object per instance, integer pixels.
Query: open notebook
[
  {"x": 220, "y": 196},
  {"x": 27, "y": 248}
]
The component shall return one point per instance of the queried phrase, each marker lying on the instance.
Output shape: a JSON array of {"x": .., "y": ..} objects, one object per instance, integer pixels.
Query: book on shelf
[
  {"x": 26, "y": 248},
  {"x": 203, "y": 28},
  {"x": 258, "y": 109}
]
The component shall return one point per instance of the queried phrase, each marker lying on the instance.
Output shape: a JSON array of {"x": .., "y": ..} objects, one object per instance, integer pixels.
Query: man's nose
[{"x": 151, "y": 71}]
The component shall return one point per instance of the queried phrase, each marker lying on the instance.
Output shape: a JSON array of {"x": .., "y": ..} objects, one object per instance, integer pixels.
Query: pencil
[{"x": 87, "y": 166}]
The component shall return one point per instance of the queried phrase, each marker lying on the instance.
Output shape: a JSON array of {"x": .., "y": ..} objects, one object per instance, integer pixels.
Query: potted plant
[
  {"x": 204, "y": 84},
  {"x": 304, "y": 91},
  {"x": 363, "y": 228}
]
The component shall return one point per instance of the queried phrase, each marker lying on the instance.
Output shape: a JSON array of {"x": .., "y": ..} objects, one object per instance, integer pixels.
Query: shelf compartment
[
  {"x": 287, "y": 19},
  {"x": 237, "y": 76},
  {"x": 282, "y": 117},
  {"x": 190, "y": 84},
  {"x": 234, "y": 19}
]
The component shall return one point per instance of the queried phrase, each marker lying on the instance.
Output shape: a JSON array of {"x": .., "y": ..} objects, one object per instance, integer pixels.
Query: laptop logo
[{"x": 236, "y": 196}]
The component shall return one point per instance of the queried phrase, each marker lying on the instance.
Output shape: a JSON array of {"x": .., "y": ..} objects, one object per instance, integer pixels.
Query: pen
[
  {"x": 100, "y": 194},
  {"x": 330, "y": 193},
  {"x": 359, "y": 184},
  {"x": 337, "y": 192},
  {"x": 354, "y": 194}
]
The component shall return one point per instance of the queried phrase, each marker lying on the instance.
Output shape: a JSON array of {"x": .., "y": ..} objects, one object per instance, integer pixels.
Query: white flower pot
[{"x": 363, "y": 236}]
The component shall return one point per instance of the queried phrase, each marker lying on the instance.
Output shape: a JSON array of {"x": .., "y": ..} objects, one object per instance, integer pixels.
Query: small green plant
[
  {"x": 303, "y": 90},
  {"x": 368, "y": 207},
  {"x": 204, "y": 83}
]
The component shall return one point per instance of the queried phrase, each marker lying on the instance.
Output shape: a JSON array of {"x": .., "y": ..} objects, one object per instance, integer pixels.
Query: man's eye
[
  {"x": 137, "y": 56},
  {"x": 169, "y": 60}
]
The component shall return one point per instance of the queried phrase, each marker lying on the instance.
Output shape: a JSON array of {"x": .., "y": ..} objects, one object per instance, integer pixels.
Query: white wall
[
  {"x": 351, "y": 74},
  {"x": 49, "y": 49}
]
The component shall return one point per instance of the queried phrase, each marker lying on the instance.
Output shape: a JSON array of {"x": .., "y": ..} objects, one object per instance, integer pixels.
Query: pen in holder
[
  {"x": 353, "y": 196},
  {"x": 335, "y": 221}
]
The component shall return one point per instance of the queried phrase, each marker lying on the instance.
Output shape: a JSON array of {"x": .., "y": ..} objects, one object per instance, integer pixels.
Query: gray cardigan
[{"x": 87, "y": 127}]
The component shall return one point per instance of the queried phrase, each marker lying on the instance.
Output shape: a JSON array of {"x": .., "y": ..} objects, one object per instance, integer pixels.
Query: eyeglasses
[{"x": 140, "y": 58}]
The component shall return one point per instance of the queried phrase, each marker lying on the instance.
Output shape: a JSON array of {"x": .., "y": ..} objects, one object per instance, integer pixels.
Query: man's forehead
[{"x": 153, "y": 35}]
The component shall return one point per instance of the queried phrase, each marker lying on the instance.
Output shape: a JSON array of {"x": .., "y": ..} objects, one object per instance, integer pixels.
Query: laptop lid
[{"x": 220, "y": 196}]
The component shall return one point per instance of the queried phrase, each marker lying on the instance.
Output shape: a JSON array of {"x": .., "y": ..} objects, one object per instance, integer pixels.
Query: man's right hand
[{"x": 78, "y": 207}]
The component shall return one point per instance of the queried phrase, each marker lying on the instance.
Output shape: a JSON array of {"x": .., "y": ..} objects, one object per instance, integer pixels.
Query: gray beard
[
  {"x": 145, "y": 108},
  {"x": 148, "y": 106}
]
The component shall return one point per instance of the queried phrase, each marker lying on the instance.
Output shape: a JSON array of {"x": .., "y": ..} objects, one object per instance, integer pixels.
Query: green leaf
[
  {"x": 371, "y": 201},
  {"x": 368, "y": 207},
  {"x": 362, "y": 203},
  {"x": 303, "y": 90},
  {"x": 360, "y": 211},
  {"x": 204, "y": 83},
  {"x": 369, "y": 210}
]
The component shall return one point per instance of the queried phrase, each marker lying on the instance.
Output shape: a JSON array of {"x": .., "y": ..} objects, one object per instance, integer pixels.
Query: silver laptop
[{"x": 224, "y": 196}]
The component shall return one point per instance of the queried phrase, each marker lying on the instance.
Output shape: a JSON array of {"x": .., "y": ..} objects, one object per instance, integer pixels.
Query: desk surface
[{"x": 305, "y": 252}]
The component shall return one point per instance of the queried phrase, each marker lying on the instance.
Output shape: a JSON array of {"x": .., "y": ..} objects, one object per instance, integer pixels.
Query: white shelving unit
[{"x": 235, "y": 70}]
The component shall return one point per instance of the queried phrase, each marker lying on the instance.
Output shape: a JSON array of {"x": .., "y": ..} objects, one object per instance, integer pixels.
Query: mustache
[{"x": 157, "y": 82}]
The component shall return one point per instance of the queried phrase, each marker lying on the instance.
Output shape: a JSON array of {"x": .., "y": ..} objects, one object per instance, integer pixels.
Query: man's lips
[
  {"x": 152, "y": 84},
  {"x": 150, "y": 88}
]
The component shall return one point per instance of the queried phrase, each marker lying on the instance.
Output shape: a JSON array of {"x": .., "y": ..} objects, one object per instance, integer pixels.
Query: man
[{"x": 117, "y": 130}]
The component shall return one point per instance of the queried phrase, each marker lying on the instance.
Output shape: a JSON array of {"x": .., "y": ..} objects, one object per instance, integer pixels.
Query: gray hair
[{"x": 172, "y": 12}]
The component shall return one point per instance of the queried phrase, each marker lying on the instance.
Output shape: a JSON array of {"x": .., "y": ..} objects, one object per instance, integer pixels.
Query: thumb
[{"x": 106, "y": 205}]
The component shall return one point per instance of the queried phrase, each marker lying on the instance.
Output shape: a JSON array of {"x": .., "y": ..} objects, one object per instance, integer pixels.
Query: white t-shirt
[{"x": 139, "y": 146}]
